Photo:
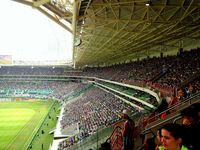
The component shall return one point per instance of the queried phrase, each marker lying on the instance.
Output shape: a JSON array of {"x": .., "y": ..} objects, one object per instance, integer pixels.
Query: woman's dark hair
[
  {"x": 191, "y": 111},
  {"x": 159, "y": 132},
  {"x": 105, "y": 146},
  {"x": 175, "y": 130},
  {"x": 151, "y": 144}
]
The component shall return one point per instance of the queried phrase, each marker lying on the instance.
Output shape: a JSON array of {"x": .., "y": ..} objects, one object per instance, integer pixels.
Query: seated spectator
[
  {"x": 150, "y": 144},
  {"x": 172, "y": 137},
  {"x": 153, "y": 143},
  {"x": 196, "y": 106},
  {"x": 158, "y": 139},
  {"x": 189, "y": 116},
  {"x": 190, "y": 120},
  {"x": 105, "y": 146}
]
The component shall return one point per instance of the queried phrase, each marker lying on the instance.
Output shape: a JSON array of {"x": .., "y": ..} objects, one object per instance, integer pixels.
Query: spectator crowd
[{"x": 176, "y": 77}]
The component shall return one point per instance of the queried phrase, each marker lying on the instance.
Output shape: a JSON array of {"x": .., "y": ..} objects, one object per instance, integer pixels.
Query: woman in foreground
[{"x": 172, "y": 137}]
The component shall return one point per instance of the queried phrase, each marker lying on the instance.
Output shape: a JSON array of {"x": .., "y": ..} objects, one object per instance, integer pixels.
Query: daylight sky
[{"x": 27, "y": 34}]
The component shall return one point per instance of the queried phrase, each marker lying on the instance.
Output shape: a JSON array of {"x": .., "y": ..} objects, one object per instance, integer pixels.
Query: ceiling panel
[{"x": 113, "y": 31}]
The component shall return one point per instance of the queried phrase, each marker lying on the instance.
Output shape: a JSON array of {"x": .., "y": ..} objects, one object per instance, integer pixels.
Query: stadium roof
[{"x": 113, "y": 31}]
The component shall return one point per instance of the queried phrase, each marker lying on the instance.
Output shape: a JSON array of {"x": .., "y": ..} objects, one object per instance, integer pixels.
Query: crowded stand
[
  {"x": 177, "y": 69},
  {"x": 138, "y": 105},
  {"x": 172, "y": 75},
  {"x": 175, "y": 77},
  {"x": 55, "y": 89},
  {"x": 185, "y": 66},
  {"x": 102, "y": 107},
  {"x": 94, "y": 109},
  {"x": 174, "y": 70},
  {"x": 9, "y": 70}
]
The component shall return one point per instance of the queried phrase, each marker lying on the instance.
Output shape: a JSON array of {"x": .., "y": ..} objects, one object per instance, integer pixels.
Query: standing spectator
[{"x": 128, "y": 131}]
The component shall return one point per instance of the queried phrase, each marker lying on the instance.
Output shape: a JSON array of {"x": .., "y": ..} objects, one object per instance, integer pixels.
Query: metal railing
[{"x": 156, "y": 120}]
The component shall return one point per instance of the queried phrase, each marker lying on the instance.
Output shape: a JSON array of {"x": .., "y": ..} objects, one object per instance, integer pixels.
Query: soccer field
[{"x": 19, "y": 122}]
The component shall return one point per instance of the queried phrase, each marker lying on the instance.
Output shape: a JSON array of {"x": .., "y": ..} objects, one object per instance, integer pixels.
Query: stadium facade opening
[{"x": 28, "y": 37}]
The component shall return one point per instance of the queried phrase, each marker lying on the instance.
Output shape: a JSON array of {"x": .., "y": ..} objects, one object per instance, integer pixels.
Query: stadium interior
[{"x": 137, "y": 55}]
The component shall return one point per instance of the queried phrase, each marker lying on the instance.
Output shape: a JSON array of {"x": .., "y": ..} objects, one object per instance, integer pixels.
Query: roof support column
[{"x": 74, "y": 25}]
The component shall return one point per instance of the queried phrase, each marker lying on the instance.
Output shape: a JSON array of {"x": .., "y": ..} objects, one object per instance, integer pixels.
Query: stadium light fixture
[{"x": 71, "y": 1}]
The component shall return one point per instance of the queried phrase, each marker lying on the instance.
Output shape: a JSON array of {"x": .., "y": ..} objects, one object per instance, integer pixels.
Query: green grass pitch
[{"x": 19, "y": 122}]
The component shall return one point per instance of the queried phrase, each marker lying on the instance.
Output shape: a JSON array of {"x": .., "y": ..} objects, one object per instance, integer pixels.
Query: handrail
[
  {"x": 174, "y": 106},
  {"x": 178, "y": 118},
  {"x": 175, "y": 117},
  {"x": 161, "y": 122},
  {"x": 148, "y": 132}
]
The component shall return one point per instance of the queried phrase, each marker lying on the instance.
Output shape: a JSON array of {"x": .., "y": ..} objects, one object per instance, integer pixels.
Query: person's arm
[{"x": 125, "y": 129}]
